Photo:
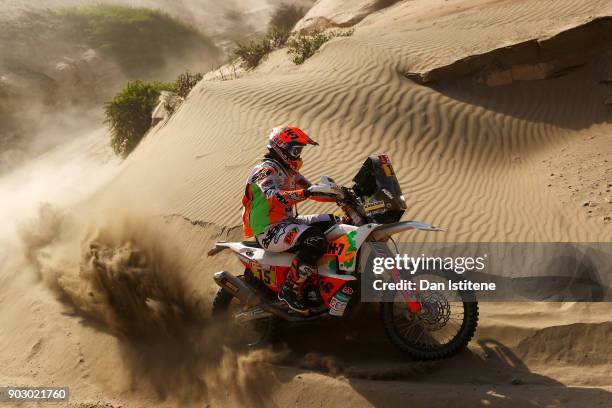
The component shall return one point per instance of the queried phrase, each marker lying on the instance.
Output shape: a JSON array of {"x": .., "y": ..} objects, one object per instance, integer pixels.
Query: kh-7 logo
[{"x": 335, "y": 248}]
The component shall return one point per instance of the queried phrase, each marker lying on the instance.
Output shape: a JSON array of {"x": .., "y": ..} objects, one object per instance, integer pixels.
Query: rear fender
[{"x": 258, "y": 256}]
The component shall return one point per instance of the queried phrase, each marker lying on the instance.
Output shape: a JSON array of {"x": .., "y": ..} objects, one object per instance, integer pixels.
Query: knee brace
[{"x": 311, "y": 246}]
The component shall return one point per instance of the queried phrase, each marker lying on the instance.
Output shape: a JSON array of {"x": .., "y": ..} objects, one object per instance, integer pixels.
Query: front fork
[{"x": 410, "y": 296}]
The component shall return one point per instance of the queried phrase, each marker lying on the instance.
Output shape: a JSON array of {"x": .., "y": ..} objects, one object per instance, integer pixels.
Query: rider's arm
[
  {"x": 269, "y": 182},
  {"x": 304, "y": 183},
  {"x": 323, "y": 199}
]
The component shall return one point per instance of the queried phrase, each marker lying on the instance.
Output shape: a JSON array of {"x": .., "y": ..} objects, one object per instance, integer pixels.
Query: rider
[{"x": 272, "y": 190}]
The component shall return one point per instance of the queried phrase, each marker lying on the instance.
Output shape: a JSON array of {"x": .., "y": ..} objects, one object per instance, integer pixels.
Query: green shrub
[
  {"x": 252, "y": 53},
  {"x": 285, "y": 16},
  {"x": 283, "y": 20},
  {"x": 277, "y": 37},
  {"x": 139, "y": 39},
  {"x": 183, "y": 84},
  {"x": 129, "y": 114},
  {"x": 303, "y": 46}
]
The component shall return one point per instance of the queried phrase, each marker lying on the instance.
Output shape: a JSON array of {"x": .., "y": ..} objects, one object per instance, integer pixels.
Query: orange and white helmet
[{"x": 288, "y": 142}]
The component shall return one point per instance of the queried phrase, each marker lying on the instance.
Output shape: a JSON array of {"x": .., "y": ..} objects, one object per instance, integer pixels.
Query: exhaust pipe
[
  {"x": 250, "y": 298},
  {"x": 237, "y": 288}
]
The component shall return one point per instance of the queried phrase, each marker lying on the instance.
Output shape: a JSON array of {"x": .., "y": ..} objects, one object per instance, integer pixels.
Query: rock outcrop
[{"x": 538, "y": 58}]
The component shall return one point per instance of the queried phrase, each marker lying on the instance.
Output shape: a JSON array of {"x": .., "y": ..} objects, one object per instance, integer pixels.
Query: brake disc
[{"x": 435, "y": 311}]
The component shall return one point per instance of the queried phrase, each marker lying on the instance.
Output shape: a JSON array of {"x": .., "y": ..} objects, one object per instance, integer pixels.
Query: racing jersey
[{"x": 270, "y": 195}]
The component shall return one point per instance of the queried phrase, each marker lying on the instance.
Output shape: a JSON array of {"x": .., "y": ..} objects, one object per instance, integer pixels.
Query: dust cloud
[{"x": 131, "y": 283}]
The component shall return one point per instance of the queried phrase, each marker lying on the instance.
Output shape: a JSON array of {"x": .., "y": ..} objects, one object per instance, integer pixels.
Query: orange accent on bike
[{"x": 344, "y": 248}]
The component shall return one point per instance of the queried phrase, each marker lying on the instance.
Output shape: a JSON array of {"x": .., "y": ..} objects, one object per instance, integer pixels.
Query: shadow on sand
[{"x": 489, "y": 374}]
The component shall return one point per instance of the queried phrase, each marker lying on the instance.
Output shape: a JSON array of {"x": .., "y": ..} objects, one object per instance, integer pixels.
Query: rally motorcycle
[{"x": 423, "y": 325}]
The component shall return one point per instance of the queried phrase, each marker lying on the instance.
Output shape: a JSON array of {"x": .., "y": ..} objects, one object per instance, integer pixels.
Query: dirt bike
[{"x": 423, "y": 325}]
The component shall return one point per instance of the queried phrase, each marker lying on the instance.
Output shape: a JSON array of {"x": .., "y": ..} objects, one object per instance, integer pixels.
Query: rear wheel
[
  {"x": 251, "y": 334},
  {"x": 444, "y": 325}
]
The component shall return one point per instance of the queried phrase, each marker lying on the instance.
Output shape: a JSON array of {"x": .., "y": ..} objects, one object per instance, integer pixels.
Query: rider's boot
[
  {"x": 292, "y": 297},
  {"x": 291, "y": 292}
]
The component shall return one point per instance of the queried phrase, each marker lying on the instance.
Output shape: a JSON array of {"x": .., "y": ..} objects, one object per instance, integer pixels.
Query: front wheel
[
  {"x": 252, "y": 334},
  {"x": 444, "y": 325}
]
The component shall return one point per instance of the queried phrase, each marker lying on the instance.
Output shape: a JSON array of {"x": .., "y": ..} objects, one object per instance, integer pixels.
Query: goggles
[{"x": 295, "y": 151}]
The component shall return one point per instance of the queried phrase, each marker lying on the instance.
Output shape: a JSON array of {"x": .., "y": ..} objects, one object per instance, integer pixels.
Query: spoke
[
  {"x": 407, "y": 330},
  {"x": 420, "y": 335}
]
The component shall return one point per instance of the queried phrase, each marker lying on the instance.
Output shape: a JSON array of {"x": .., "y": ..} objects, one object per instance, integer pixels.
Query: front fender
[{"x": 384, "y": 232}]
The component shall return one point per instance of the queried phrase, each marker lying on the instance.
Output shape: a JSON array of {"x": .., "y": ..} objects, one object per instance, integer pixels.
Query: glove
[{"x": 323, "y": 190}]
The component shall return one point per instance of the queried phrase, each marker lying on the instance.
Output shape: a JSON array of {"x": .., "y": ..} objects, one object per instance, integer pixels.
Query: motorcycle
[{"x": 423, "y": 325}]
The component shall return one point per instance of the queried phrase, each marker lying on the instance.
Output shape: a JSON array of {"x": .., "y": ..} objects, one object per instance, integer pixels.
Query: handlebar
[{"x": 344, "y": 196}]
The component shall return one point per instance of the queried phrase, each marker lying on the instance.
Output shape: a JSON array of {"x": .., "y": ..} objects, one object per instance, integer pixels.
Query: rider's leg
[
  {"x": 309, "y": 243},
  {"x": 311, "y": 247},
  {"x": 322, "y": 221},
  {"x": 282, "y": 236}
]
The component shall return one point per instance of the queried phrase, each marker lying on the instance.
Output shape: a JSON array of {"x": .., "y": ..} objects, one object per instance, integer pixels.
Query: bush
[
  {"x": 277, "y": 37},
  {"x": 252, "y": 53},
  {"x": 303, "y": 47},
  {"x": 139, "y": 39},
  {"x": 286, "y": 16},
  {"x": 183, "y": 84},
  {"x": 129, "y": 114},
  {"x": 283, "y": 20}
]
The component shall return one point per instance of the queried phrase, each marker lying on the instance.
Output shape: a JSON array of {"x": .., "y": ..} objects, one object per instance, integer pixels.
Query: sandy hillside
[{"x": 487, "y": 163}]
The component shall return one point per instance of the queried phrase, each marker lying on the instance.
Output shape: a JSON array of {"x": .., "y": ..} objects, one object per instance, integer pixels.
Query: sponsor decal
[
  {"x": 262, "y": 174},
  {"x": 335, "y": 248},
  {"x": 346, "y": 257},
  {"x": 279, "y": 197},
  {"x": 388, "y": 170},
  {"x": 337, "y": 306},
  {"x": 374, "y": 205},
  {"x": 387, "y": 193},
  {"x": 257, "y": 272},
  {"x": 269, "y": 277},
  {"x": 273, "y": 234},
  {"x": 290, "y": 237}
]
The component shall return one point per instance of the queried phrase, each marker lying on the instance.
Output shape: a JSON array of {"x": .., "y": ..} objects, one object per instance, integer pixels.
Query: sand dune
[
  {"x": 332, "y": 13},
  {"x": 474, "y": 159},
  {"x": 469, "y": 157}
]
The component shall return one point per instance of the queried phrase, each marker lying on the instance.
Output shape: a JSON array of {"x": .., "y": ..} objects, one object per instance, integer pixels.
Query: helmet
[{"x": 288, "y": 142}]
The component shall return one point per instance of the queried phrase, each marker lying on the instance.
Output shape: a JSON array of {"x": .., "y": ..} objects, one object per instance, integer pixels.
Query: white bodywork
[
  {"x": 268, "y": 259},
  {"x": 384, "y": 232},
  {"x": 379, "y": 232}
]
